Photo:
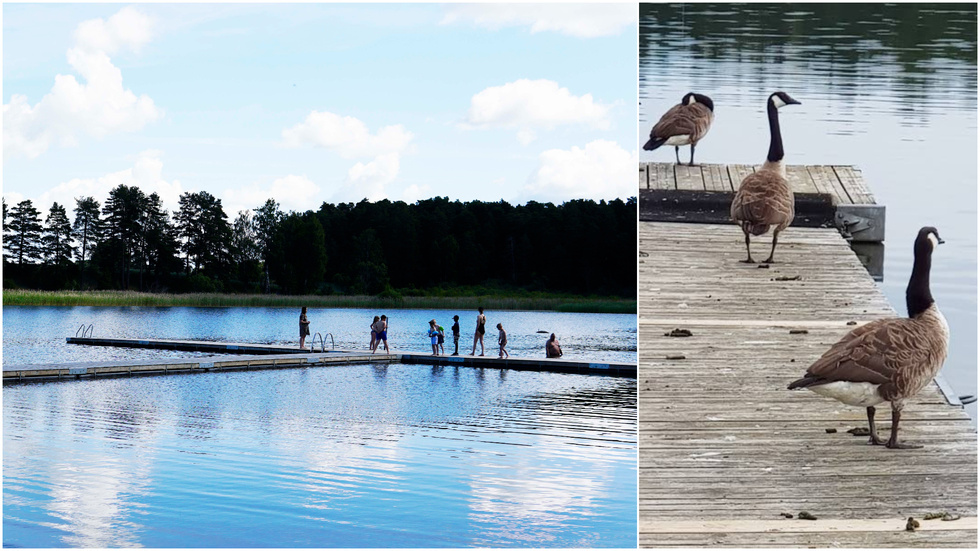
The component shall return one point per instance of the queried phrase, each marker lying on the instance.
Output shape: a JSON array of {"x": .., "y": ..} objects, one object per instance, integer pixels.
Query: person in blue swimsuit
[{"x": 434, "y": 337}]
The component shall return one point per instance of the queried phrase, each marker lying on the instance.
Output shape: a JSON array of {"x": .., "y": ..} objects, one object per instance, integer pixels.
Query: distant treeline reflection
[
  {"x": 385, "y": 248},
  {"x": 844, "y": 33}
]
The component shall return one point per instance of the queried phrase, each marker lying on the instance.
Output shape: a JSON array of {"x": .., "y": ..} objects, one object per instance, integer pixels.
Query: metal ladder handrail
[
  {"x": 323, "y": 345},
  {"x": 86, "y": 332}
]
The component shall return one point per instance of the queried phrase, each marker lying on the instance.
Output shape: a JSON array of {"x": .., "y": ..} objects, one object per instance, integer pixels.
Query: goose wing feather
[
  {"x": 878, "y": 353},
  {"x": 692, "y": 120},
  {"x": 763, "y": 198}
]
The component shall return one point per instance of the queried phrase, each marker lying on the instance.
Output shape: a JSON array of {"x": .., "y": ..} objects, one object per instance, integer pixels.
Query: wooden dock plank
[
  {"x": 298, "y": 358},
  {"x": 716, "y": 178},
  {"x": 737, "y": 173},
  {"x": 689, "y": 178},
  {"x": 827, "y": 182},
  {"x": 854, "y": 183},
  {"x": 843, "y": 184},
  {"x": 799, "y": 179},
  {"x": 725, "y": 449},
  {"x": 661, "y": 176}
]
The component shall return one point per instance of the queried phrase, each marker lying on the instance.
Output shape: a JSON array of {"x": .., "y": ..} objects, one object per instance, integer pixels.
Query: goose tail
[
  {"x": 654, "y": 143},
  {"x": 803, "y": 383}
]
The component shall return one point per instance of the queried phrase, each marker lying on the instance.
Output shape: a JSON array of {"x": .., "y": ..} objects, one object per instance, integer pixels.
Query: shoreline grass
[{"x": 596, "y": 305}]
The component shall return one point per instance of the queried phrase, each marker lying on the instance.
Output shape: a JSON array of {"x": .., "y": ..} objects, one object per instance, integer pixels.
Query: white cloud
[
  {"x": 347, "y": 136},
  {"x": 292, "y": 192},
  {"x": 600, "y": 170},
  {"x": 368, "y": 181},
  {"x": 128, "y": 28},
  {"x": 578, "y": 20},
  {"x": 527, "y": 104},
  {"x": 416, "y": 192},
  {"x": 146, "y": 174},
  {"x": 97, "y": 107},
  {"x": 350, "y": 138}
]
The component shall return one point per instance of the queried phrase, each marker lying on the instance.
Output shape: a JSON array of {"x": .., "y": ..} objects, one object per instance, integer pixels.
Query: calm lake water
[
  {"x": 891, "y": 89},
  {"x": 348, "y": 456}
]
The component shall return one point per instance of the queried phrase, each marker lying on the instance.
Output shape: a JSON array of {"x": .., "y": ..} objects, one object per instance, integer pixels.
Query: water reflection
[
  {"x": 891, "y": 89},
  {"x": 349, "y": 456}
]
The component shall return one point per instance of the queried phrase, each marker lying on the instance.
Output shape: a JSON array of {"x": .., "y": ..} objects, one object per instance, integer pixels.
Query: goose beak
[
  {"x": 939, "y": 240},
  {"x": 792, "y": 101}
]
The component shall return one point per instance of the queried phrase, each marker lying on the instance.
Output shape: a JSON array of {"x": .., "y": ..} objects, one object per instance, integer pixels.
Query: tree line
[{"x": 131, "y": 242}]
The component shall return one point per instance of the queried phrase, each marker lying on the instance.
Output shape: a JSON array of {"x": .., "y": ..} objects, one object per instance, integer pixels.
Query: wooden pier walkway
[
  {"x": 726, "y": 450},
  {"x": 275, "y": 357},
  {"x": 825, "y": 196}
]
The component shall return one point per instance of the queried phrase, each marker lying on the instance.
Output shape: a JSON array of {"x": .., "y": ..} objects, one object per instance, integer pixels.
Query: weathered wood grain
[{"x": 724, "y": 448}]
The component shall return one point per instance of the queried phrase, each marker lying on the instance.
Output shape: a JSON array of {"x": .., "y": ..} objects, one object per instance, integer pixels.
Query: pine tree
[
  {"x": 268, "y": 218},
  {"x": 86, "y": 227},
  {"x": 23, "y": 238},
  {"x": 56, "y": 241}
]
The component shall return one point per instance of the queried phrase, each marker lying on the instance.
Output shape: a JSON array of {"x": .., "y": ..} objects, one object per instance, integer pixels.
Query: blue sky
[{"x": 309, "y": 103}]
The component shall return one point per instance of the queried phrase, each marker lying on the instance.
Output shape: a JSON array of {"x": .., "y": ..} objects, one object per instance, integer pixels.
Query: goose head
[
  {"x": 782, "y": 99},
  {"x": 691, "y": 98},
  {"x": 927, "y": 241}
]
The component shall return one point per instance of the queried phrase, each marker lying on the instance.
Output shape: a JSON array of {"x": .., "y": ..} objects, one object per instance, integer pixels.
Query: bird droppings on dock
[{"x": 733, "y": 383}]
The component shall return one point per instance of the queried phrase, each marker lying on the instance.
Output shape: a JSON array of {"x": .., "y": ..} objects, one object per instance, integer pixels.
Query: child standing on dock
[
  {"x": 381, "y": 327},
  {"x": 502, "y": 341},
  {"x": 434, "y": 337},
  {"x": 442, "y": 339},
  {"x": 456, "y": 335}
]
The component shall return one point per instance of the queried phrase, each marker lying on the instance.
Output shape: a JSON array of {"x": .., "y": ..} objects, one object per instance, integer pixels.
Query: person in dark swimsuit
[
  {"x": 456, "y": 335},
  {"x": 374, "y": 334},
  {"x": 304, "y": 328},
  {"x": 481, "y": 322}
]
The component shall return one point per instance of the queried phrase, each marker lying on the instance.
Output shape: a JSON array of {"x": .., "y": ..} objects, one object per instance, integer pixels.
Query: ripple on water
[{"x": 348, "y": 456}]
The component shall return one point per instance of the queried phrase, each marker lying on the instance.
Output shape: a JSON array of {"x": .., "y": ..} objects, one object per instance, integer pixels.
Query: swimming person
[
  {"x": 502, "y": 341},
  {"x": 456, "y": 335},
  {"x": 481, "y": 322},
  {"x": 434, "y": 337},
  {"x": 374, "y": 334},
  {"x": 304, "y": 328},
  {"x": 552, "y": 349}
]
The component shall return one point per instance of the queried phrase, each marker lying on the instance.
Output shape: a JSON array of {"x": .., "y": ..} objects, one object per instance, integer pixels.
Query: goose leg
[
  {"x": 775, "y": 235},
  {"x": 692, "y": 156},
  {"x": 874, "y": 440},
  {"x": 677, "y": 153},
  {"x": 747, "y": 249},
  {"x": 893, "y": 442}
]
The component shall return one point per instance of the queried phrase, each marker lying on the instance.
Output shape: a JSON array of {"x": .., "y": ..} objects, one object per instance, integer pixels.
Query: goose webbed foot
[
  {"x": 747, "y": 261},
  {"x": 893, "y": 443},
  {"x": 769, "y": 261},
  {"x": 902, "y": 446}
]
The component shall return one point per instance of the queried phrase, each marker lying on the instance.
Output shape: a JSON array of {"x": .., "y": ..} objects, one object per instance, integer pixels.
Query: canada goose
[
  {"x": 764, "y": 198},
  {"x": 683, "y": 124},
  {"x": 888, "y": 360}
]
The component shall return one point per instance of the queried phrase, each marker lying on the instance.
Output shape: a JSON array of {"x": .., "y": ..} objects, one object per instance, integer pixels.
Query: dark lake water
[{"x": 891, "y": 89}]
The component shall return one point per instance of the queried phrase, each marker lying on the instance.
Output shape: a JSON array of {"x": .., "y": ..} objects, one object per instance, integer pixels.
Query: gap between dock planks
[{"x": 725, "y": 449}]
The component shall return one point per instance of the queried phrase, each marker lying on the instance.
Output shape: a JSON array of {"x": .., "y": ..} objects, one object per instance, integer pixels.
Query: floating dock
[
  {"x": 826, "y": 196},
  {"x": 725, "y": 450},
  {"x": 242, "y": 356}
]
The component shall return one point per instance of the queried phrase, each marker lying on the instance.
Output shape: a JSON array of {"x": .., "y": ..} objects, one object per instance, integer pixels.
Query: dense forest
[{"x": 130, "y": 242}]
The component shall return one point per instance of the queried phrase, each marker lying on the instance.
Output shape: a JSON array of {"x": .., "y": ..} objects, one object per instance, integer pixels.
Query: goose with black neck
[
  {"x": 891, "y": 359},
  {"x": 764, "y": 199}
]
